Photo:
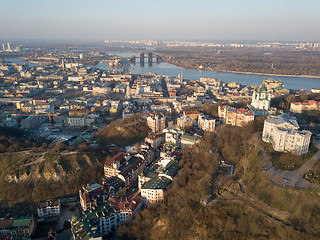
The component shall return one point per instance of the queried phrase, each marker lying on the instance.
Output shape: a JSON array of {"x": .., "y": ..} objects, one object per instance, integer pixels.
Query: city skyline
[{"x": 179, "y": 20}]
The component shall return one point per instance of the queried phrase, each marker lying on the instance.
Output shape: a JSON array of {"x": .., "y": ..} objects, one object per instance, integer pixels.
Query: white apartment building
[
  {"x": 49, "y": 208},
  {"x": 282, "y": 132},
  {"x": 157, "y": 122},
  {"x": 78, "y": 122},
  {"x": 172, "y": 135},
  {"x": 206, "y": 124},
  {"x": 152, "y": 191}
]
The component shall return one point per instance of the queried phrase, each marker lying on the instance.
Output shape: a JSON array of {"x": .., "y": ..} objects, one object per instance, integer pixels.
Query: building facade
[
  {"x": 282, "y": 132},
  {"x": 234, "y": 116},
  {"x": 126, "y": 167},
  {"x": 99, "y": 221},
  {"x": 49, "y": 208},
  {"x": 156, "y": 122},
  {"x": 17, "y": 228},
  {"x": 95, "y": 194},
  {"x": 206, "y": 123},
  {"x": 152, "y": 191},
  {"x": 299, "y": 107}
]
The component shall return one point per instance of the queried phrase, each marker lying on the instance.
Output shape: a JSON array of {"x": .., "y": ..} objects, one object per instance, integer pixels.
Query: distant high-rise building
[
  {"x": 128, "y": 92},
  {"x": 3, "y": 48},
  {"x": 18, "y": 48},
  {"x": 181, "y": 76},
  {"x": 9, "y": 48},
  {"x": 62, "y": 63}
]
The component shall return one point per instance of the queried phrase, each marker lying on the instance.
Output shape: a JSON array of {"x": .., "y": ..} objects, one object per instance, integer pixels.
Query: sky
[{"x": 269, "y": 20}]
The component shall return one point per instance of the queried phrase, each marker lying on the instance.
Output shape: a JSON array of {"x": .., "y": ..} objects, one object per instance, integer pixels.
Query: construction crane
[{"x": 50, "y": 115}]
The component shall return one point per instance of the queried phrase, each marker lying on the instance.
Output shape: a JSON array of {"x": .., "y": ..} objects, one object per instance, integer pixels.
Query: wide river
[
  {"x": 167, "y": 69},
  {"x": 171, "y": 70}
]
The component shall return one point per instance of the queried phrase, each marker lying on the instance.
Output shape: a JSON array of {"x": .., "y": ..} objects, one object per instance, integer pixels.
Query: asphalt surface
[{"x": 290, "y": 179}]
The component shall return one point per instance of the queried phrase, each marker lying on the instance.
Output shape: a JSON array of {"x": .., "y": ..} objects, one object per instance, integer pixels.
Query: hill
[
  {"x": 124, "y": 132},
  {"x": 245, "y": 206},
  {"x": 29, "y": 177}
]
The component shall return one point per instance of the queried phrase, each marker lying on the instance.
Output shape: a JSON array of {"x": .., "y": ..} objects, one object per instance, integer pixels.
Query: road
[
  {"x": 291, "y": 179},
  {"x": 238, "y": 192}
]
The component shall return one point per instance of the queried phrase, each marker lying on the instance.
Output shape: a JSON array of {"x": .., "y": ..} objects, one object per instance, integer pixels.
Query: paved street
[{"x": 292, "y": 179}]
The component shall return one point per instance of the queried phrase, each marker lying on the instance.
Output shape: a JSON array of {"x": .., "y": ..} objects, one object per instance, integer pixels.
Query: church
[{"x": 261, "y": 98}]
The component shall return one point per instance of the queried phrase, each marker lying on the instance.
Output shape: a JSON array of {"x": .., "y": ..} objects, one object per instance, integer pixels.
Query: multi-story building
[
  {"x": 111, "y": 167},
  {"x": 95, "y": 194},
  {"x": 191, "y": 114},
  {"x": 94, "y": 223},
  {"x": 155, "y": 140},
  {"x": 99, "y": 221},
  {"x": 125, "y": 208},
  {"x": 271, "y": 84},
  {"x": 298, "y": 107},
  {"x": 49, "y": 208},
  {"x": 33, "y": 121},
  {"x": 234, "y": 116},
  {"x": 78, "y": 122},
  {"x": 125, "y": 166},
  {"x": 184, "y": 122},
  {"x": 261, "y": 98},
  {"x": 172, "y": 135},
  {"x": 282, "y": 132},
  {"x": 156, "y": 122},
  {"x": 118, "y": 184},
  {"x": 152, "y": 191},
  {"x": 206, "y": 123},
  {"x": 165, "y": 166},
  {"x": 17, "y": 228}
]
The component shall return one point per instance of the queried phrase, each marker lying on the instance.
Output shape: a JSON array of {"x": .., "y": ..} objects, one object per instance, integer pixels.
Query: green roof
[
  {"x": 86, "y": 226},
  {"x": 191, "y": 138},
  {"x": 154, "y": 170},
  {"x": 172, "y": 168},
  {"x": 21, "y": 222},
  {"x": 262, "y": 88},
  {"x": 157, "y": 183}
]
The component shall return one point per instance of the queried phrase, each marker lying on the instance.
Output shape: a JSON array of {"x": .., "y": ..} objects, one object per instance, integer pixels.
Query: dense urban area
[{"x": 89, "y": 153}]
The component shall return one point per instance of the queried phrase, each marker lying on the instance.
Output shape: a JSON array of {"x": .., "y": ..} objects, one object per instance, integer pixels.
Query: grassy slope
[{"x": 39, "y": 182}]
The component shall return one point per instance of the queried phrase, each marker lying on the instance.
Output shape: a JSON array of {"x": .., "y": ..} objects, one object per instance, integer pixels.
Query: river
[
  {"x": 171, "y": 70},
  {"x": 167, "y": 69}
]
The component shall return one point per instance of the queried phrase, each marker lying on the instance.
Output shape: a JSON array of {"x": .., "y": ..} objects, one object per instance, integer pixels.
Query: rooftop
[
  {"x": 157, "y": 183},
  {"x": 21, "y": 222},
  {"x": 86, "y": 226},
  {"x": 49, "y": 203},
  {"x": 120, "y": 157},
  {"x": 283, "y": 121}
]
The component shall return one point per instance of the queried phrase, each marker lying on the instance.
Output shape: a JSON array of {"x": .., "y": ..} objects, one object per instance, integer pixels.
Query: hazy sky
[{"x": 162, "y": 19}]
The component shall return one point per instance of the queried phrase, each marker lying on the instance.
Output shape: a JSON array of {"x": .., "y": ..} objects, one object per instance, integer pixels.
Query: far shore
[
  {"x": 251, "y": 73},
  {"x": 271, "y": 74}
]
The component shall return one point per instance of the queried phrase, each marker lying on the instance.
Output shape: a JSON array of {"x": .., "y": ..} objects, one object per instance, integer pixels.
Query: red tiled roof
[
  {"x": 40, "y": 99},
  {"x": 120, "y": 157},
  {"x": 191, "y": 112},
  {"x": 310, "y": 102},
  {"x": 124, "y": 204}
]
